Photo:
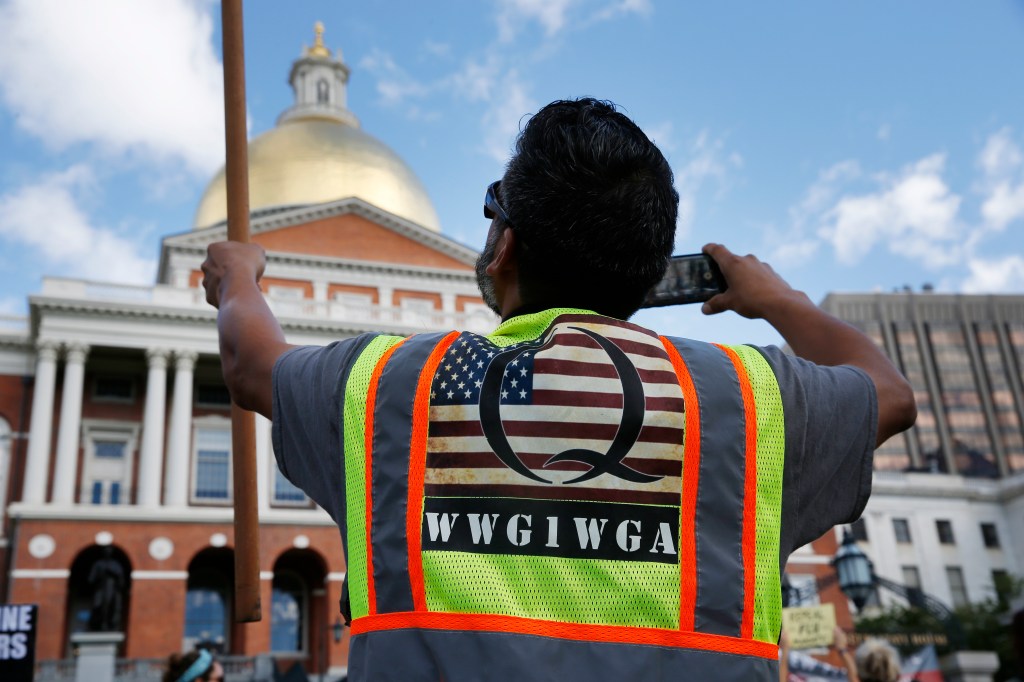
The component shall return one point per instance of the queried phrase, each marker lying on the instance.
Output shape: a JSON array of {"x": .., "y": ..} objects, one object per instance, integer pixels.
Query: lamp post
[
  {"x": 858, "y": 581},
  {"x": 855, "y": 570}
]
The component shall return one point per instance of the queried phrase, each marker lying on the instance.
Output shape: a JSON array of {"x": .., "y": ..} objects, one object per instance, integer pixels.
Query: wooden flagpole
[{"x": 243, "y": 429}]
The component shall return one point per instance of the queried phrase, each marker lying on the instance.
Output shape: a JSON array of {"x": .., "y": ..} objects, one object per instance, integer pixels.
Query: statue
[{"x": 106, "y": 578}]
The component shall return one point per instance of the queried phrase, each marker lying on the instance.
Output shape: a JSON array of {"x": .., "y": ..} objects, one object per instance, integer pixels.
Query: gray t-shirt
[{"x": 830, "y": 414}]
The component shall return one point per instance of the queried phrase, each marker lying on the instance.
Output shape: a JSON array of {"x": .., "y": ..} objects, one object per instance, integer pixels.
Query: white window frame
[
  {"x": 352, "y": 299},
  {"x": 803, "y": 581},
  {"x": 275, "y": 474},
  {"x": 94, "y": 430},
  {"x": 417, "y": 310},
  {"x": 286, "y": 293},
  {"x": 960, "y": 589},
  {"x": 209, "y": 423}
]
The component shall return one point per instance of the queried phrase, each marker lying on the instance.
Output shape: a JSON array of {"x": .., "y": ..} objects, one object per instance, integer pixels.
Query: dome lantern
[
  {"x": 318, "y": 153},
  {"x": 320, "y": 84}
]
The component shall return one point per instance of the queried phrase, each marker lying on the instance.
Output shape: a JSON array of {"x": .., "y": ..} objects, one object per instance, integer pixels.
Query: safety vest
[{"x": 572, "y": 497}]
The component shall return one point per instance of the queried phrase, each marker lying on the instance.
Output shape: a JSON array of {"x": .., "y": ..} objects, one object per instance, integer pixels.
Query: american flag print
[{"x": 589, "y": 410}]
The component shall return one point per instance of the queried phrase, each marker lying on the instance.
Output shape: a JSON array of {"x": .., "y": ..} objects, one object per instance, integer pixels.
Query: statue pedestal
[
  {"x": 969, "y": 666},
  {"x": 96, "y": 654}
]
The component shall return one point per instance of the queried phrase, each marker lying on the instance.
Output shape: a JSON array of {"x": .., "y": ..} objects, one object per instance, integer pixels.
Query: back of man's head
[{"x": 593, "y": 207}]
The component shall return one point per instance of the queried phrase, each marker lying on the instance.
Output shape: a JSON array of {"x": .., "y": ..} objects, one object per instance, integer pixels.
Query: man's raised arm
[
  {"x": 757, "y": 292},
  {"x": 251, "y": 340}
]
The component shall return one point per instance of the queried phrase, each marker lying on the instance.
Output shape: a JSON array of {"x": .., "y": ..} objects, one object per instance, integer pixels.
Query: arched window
[
  {"x": 323, "y": 92},
  {"x": 288, "y": 613},
  {"x": 207, "y": 600}
]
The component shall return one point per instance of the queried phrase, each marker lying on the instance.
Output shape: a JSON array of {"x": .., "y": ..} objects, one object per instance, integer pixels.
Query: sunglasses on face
[{"x": 492, "y": 209}]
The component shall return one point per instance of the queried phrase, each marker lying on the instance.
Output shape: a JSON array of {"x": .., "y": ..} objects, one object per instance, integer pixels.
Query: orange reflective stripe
[
  {"x": 617, "y": 634},
  {"x": 371, "y": 401},
  {"x": 749, "y": 541},
  {"x": 691, "y": 480},
  {"x": 418, "y": 468}
]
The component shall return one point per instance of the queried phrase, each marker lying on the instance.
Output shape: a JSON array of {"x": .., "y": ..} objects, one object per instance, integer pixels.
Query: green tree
[{"x": 985, "y": 625}]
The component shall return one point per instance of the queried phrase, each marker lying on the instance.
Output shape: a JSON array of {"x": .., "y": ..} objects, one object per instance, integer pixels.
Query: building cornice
[
  {"x": 291, "y": 216},
  {"x": 188, "y": 515},
  {"x": 947, "y": 486},
  {"x": 326, "y": 263}
]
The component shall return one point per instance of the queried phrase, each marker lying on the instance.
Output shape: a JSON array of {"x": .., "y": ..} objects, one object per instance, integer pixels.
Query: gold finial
[{"x": 318, "y": 49}]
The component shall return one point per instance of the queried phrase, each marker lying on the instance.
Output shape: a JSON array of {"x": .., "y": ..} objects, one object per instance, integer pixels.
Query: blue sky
[{"x": 856, "y": 146}]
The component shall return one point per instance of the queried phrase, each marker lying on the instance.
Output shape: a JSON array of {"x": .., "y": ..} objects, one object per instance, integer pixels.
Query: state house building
[{"x": 114, "y": 419}]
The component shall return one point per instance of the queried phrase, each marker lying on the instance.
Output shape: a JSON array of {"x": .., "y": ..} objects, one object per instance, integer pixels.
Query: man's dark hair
[{"x": 591, "y": 200}]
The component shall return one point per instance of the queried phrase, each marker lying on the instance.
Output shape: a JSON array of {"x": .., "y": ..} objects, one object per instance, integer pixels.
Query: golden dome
[
  {"x": 311, "y": 161},
  {"x": 317, "y": 153}
]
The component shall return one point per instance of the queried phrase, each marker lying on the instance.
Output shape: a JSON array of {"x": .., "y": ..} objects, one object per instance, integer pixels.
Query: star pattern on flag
[{"x": 460, "y": 374}]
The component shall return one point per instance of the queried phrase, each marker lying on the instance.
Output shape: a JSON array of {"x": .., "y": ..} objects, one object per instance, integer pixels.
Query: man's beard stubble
[{"x": 484, "y": 281}]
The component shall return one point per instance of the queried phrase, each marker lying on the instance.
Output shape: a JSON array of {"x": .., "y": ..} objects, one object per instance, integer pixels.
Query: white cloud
[
  {"x": 914, "y": 214},
  {"x": 995, "y": 275},
  {"x": 130, "y": 77},
  {"x": 1004, "y": 205},
  {"x": 793, "y": 251},
  {"x": 553, "y": 15},
  {"x": 46, "y": 217},
  {"x": 394, "y": 85},
  {"x": 475, "y": 81},
  {"x": 1002, "y": 163},
  {"x": 1000, "y": 156},
  {"x": 502, "y": 119},
  {"x": 706, "y": 161},
  {"x": 437, "y": 49},
  {"x": 884, "y": 131},
  {"x": 513, "y": 14},
  {"x": 662, "y": 134},
  {"x": 623, "y": 7},
  {"x": 797, "y": 242}
]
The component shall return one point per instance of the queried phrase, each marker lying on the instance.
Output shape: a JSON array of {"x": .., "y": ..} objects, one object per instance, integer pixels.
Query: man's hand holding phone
[{"x": 755, "y": 290}]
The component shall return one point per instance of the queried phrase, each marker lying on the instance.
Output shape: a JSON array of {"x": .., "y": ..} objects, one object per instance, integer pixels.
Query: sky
[{"x": 856, "y": 146}]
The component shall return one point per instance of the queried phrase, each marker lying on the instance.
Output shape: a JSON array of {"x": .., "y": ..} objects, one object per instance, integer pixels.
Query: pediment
[{"x": 348, "y": 228}]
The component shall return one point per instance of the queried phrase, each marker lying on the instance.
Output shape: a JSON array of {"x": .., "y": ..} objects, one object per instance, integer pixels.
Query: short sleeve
[
  {"x": 831, "y": 416},
  {"x": 307, "y": 390}
]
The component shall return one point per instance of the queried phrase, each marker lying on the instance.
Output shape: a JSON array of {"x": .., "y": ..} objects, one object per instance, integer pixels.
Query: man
[{"x": 573, "y": 496}]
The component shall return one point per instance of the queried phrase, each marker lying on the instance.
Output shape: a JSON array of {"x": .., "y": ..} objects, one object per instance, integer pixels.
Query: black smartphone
[{"x": 693, "y": 278}]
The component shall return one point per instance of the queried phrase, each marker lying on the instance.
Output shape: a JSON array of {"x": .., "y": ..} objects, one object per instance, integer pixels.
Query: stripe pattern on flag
[{"x": 591, "y": 410}]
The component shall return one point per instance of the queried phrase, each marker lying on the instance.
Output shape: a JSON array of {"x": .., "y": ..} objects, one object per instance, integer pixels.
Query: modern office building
[
  {"x": 947, "y": 511},
  {"x": 114, "y": 419}
]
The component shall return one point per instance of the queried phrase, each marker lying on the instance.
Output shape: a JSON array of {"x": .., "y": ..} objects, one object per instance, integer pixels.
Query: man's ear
[{"x": 504, "y": 253}]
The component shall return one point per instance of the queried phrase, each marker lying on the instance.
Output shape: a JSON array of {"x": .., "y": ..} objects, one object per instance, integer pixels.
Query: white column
[
  {"x": 180, "y": 276},
  {"x": 178, "y": 451},
  {"x": 264, "y": 472},
  {"x": 385, "y": 297},
  {"x": 448, "y": 302},
  {"x": 153, "y": 428},
  {"x": 319, "y": 290},
  {"x": 66, "y": 468},
  {"x": 37, "y": 463}
]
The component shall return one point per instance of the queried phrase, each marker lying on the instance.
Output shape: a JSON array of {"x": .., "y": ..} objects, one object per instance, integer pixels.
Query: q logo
[{"x": 630, "y": 423}]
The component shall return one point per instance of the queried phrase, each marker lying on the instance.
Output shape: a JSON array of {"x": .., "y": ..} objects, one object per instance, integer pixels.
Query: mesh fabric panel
[
  {"x": 354, "y": 421},
  {"x": 528, "y": 327},
  {"x": 771, "y": 451},
  {"x": 588, "y": 591}
]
